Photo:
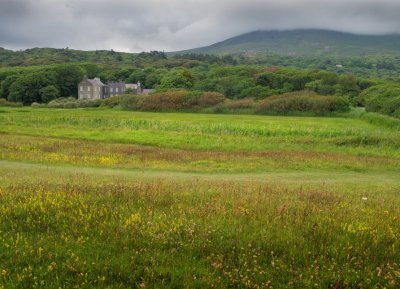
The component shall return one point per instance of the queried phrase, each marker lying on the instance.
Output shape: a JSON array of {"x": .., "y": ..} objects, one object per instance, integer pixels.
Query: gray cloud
[{"x": 136, "y": 25}]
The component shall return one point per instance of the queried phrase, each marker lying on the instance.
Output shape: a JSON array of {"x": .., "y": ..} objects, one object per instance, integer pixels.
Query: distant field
[{"x": 112, "y": 199}]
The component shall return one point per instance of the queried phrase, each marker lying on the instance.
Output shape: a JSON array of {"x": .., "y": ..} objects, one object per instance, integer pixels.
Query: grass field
[{"x": 110, "y": 199}]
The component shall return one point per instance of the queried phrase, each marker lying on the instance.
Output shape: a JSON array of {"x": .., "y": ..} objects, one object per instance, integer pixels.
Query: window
[
  {"x": 81, "y": 88},
  {"x": 111, "y": 89},
  {"x": 116, "y": 90},
  {"x": 88, "y": 88}
]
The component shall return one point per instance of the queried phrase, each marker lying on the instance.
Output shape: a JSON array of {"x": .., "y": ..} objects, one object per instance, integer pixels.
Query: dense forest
[
  {"x": 42, "y": 75},
  {"x": 383, "y": 66}
]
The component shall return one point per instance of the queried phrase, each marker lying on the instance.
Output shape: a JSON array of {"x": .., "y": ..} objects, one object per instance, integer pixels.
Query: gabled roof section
[{"x": 96, "y": 81}]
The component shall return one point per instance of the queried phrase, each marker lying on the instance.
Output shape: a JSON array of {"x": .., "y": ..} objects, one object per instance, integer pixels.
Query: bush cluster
[
  {"x": 160, "y": 101},
  {"x": 113, "y": 101},
  {"x": 38, "y": 105},
  {"x": 246, "y": 103},
  {"x": 178, "y": 100},
  {"x": 5, "y": 102},
  {"x": 171, "y": 100},
  {"x": 382, "y": 98},
  {"x": 303, "y": 101},
  {"x": 71, "y": 102}
]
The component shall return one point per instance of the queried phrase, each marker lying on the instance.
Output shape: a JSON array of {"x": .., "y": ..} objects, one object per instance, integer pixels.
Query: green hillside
[
  {"x": 44, "y": 56},
  {"x": 306, "y": 42}
]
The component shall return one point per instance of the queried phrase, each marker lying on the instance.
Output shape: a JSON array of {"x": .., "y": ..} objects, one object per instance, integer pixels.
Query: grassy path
[{"x": 281, "y": 176}]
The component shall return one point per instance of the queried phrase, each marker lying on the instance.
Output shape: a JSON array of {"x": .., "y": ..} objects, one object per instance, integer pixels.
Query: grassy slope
[{"x": 111, "y": 199}]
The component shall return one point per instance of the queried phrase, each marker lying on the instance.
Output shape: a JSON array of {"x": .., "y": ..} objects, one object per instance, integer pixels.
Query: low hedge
[
  {"x": 303, "y": 101},
  {"x": 5, "y": 102},
  {"x": 71, "y": 102},
  {"x": 171, "y": 100}
]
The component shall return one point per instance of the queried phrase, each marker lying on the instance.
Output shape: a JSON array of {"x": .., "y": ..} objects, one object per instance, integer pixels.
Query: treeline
[
  {"x": 386, "y": 66},
  {"x": 41, "y": 84},
  {"x": 303, "y": 102},
  {"x": 46, "y": 56},
  {"x": 44, "y": 83}
]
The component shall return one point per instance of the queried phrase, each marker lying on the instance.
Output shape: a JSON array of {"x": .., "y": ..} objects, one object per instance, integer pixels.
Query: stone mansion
[{"x": 95, "y": 89}]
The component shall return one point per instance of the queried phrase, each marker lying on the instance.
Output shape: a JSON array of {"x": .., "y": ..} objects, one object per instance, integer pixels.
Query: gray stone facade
[
  {"x": 134, "y": 88},
  {"x": 95, "y": 89},
  {"x": 114, "y": 88},
  {"x": 91, "y": 89}
]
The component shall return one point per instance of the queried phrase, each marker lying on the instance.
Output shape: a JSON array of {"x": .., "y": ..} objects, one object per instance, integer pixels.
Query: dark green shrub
[
  {"x": 303, "y": 101},
  {"x": 5, "y": 102},
  {"x": 219, "y": 108},
  {"x": 342, "y": 104},
  {"x": 257, "y": 92},
  {"x": 169, "y": 100},
  {"x": 55, "y": 104},
  {"x": 38, "y": 105},
  {"x": 397, "y": 113},
  {"x": 191, "y": 98},
  {"x": 383, "y": 98},
  {"x": 89, "y": 102},
  {"x": 70, "y": 105},
  {"x": 391, "y": 105},
  {"x": 240, "y": 103},
  {"x": 62, "y": 101},
  {"x": 208, "y": 99},
  {"x": 177, "y": 78},
  {"x": 180, "y": 99},
  {"x": 132, "y": 102},
  {"x": 112, "y": 101},
  {"x": 49, "y": 93}
]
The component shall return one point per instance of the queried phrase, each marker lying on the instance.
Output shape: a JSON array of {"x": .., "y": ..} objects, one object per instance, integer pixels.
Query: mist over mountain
[{"x": 308, "y": 42}]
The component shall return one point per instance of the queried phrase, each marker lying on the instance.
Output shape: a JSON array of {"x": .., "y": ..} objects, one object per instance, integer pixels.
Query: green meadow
[{"x": 103, "y": 198}]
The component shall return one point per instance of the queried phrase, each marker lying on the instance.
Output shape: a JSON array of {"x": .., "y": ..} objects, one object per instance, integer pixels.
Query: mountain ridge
[{"x": 307, "y": 42}]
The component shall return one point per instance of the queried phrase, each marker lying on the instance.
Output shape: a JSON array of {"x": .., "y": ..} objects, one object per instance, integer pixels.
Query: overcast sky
[{"x": 167, "y": 25}]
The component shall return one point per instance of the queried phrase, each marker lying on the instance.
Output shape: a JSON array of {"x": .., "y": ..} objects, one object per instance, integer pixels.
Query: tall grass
[
  {"x": 209, "y": 132},
  {"x": 85, "y": 231},
  {"x": 109, "y": 199},
  {"x": 377, "y": 119},
  {"x": 126, "y": 156}
]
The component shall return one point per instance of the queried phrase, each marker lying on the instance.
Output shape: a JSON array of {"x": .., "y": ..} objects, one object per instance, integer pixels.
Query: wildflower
[
  {"x": 51, "y": 266},
  {"x": 133, "y": 220},
  {"x": 4, "y": 272}
]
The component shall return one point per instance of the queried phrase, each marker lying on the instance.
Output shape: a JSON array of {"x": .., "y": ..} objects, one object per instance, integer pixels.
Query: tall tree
[
  {"x": 27, "y": 87},
  {"x": 68, "y": 77}
]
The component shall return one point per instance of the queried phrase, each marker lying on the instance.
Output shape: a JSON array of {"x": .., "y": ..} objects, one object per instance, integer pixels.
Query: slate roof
[{"x": 96, "y": 81}]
